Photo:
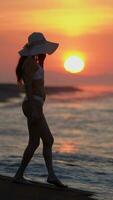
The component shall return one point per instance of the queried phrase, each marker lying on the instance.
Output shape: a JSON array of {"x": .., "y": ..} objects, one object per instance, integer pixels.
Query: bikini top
[{"x": 39, "y": 73}]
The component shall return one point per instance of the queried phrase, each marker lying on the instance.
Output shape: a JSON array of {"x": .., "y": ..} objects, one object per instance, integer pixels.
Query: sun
[{"x": 74, "y": 64}]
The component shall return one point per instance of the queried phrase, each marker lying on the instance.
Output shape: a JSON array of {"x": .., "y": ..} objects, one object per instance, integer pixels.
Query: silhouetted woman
[{"x": 30, "y": 73}]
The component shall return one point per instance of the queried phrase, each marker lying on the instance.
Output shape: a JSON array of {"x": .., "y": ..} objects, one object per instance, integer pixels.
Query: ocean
[{"x": 82, "y": 125}]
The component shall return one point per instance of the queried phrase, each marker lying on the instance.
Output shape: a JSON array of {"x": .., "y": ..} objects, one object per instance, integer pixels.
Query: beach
[
  {"x": 38, "y": 191},
  {"x": 81, "y": 123}
]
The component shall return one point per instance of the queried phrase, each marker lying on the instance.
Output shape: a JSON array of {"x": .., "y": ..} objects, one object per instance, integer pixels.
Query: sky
[{"x": 84, "y": 26}]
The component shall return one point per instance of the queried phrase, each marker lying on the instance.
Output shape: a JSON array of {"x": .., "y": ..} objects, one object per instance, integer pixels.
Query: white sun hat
[{"x": 37, "y": 44}]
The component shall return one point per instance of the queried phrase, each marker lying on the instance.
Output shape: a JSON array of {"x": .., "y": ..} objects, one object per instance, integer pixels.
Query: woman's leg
[
  {"x": 34, "y": 140},
  {"x": 47, "y": 140}
]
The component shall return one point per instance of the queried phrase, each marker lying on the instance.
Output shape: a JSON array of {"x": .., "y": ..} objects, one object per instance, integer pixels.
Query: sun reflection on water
[{"x": 67, "y": 147}]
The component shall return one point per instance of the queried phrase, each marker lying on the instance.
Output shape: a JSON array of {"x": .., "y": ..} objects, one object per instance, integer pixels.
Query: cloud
[
  {"x": 50, "y": 4},
  {"x": 68, "y": 21}
]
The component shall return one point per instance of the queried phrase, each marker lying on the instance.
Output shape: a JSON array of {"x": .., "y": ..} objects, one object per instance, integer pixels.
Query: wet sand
[{"x": 38, "y": 191}]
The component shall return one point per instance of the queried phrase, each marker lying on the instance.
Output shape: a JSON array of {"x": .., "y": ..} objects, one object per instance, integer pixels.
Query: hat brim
[{"x": 45, "y": 48}]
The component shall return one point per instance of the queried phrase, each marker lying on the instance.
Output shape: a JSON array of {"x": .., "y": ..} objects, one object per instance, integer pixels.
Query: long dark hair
[{"x": 19, "y": 71}]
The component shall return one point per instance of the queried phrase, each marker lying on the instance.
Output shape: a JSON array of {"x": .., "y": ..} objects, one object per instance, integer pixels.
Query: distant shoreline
[{"x": 10, "y": 90}]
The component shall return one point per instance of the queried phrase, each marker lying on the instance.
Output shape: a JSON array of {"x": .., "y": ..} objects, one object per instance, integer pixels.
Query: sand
[{"x": 38, "y": 191}]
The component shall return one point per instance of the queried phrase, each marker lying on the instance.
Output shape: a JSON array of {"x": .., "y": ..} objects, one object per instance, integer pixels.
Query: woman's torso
[{"x": 38, "y": 88}]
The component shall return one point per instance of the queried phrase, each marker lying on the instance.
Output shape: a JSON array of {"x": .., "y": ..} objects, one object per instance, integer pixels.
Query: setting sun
[{"x": 74, "y": 64}]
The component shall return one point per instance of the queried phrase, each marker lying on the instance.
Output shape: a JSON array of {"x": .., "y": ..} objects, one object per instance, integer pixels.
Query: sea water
[{"x": 82, "y": 126}]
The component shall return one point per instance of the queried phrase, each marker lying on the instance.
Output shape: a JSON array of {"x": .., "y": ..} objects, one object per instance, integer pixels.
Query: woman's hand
[{"x": 20, "y": 84}]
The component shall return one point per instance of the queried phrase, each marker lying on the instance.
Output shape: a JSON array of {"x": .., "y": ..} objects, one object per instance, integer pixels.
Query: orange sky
[{"x": 84, "y": 26}]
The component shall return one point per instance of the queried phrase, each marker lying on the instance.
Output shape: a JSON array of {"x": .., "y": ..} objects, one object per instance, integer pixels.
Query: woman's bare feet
[
  {"x": 52, "y": 179},
  {"x": 22, "y": 180}
]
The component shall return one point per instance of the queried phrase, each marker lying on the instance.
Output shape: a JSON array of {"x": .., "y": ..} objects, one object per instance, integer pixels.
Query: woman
[{"x": 30, "y": 71}]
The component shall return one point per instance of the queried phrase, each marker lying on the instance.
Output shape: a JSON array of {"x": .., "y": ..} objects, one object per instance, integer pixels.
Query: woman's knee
[
  {"x": 48, "y": 141},
  {"x": 34, "y": 144}
]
